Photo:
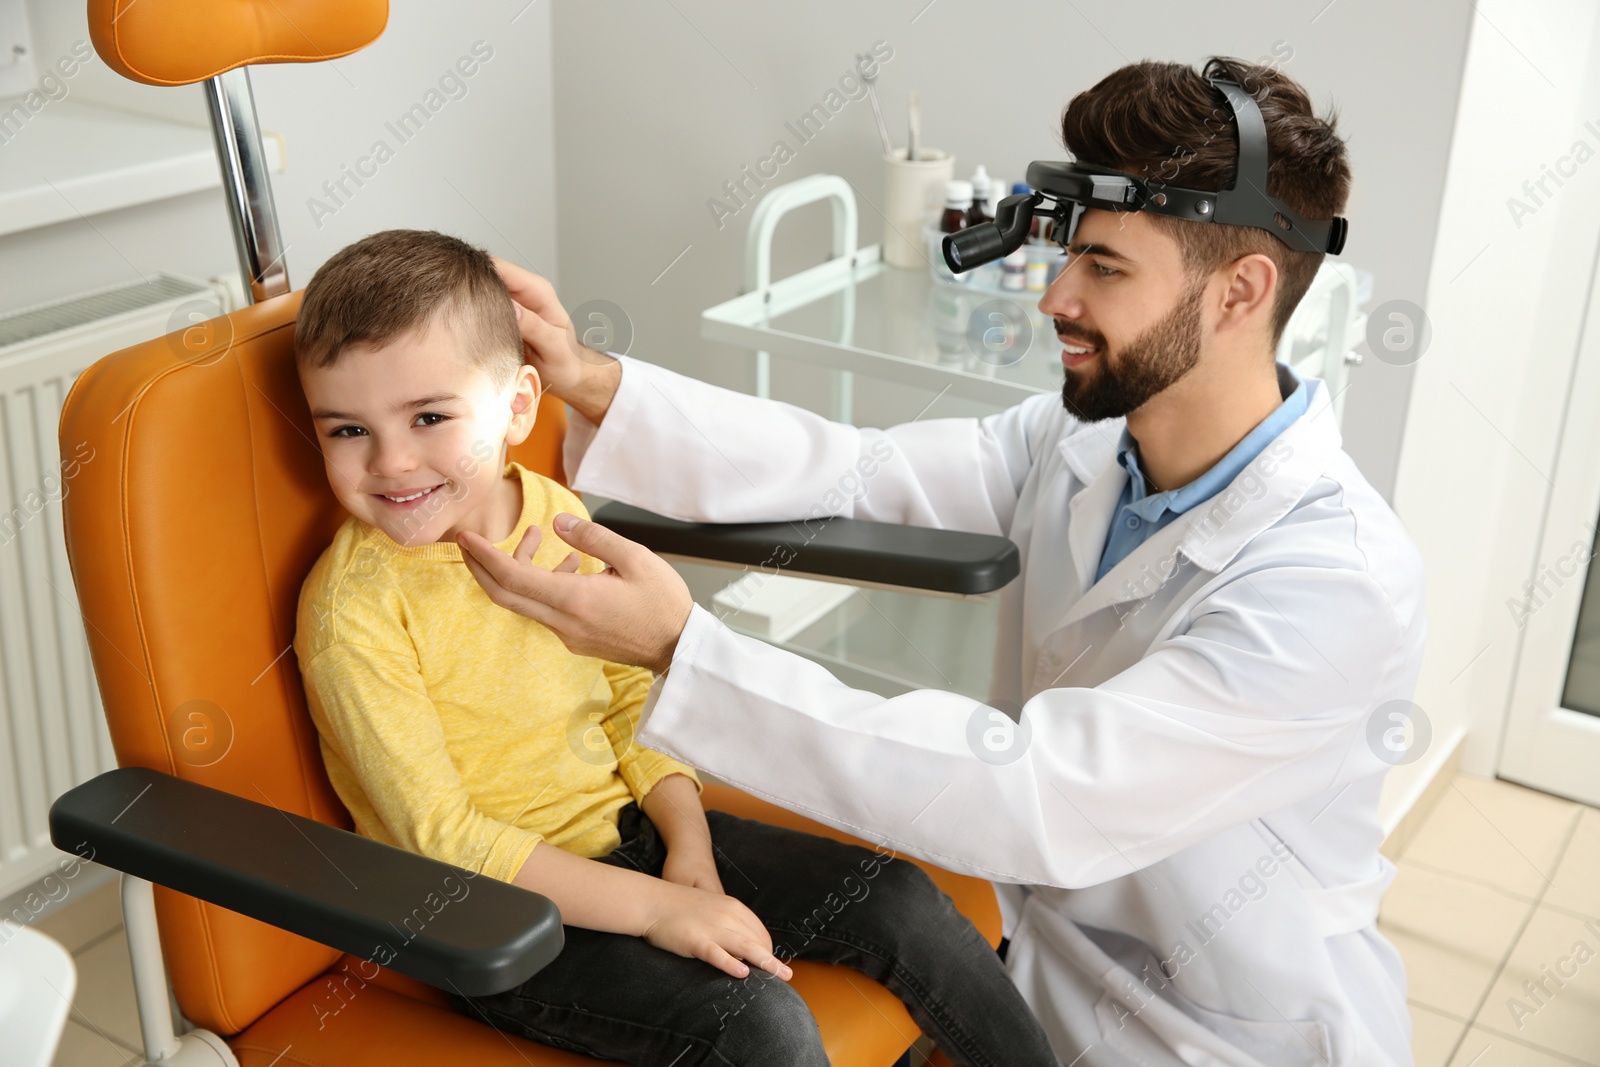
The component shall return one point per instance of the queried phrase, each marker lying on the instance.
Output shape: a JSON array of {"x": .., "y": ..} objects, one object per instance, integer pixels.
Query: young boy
[{"x": 462, "y": 731}]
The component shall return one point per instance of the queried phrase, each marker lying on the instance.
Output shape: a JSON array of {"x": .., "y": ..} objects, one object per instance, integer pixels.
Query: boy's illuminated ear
[{"x": 523, "y": 417}]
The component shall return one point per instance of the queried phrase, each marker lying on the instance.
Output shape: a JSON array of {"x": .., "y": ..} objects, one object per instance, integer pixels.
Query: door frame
[{"x": 1543, "y": 744}]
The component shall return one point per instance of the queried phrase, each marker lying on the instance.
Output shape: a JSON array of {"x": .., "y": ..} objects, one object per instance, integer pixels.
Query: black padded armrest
[
  {"x": 433, "y": 921},
  {"x": 916, "y": 557}
]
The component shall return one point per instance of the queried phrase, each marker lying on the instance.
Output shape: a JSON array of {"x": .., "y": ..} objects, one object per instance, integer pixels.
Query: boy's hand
[
  {"x": 714, "y": 928},
  {"x": 693, "y": 866},
  {"x": 576, "y": 373}
]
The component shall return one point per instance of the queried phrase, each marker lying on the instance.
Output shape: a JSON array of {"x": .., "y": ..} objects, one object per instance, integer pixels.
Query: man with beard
[{"x": 1217, "y": 630}]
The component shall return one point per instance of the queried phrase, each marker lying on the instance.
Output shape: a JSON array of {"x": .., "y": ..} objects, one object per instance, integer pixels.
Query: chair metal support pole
[
  {"x": 162, "y": 1046},
  {"x": 245, "y": 184},
  {"x": 149, "y": 971}
]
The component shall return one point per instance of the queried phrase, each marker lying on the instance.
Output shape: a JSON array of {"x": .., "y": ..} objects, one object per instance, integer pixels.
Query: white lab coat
[{"x": 1189, "y": 845}]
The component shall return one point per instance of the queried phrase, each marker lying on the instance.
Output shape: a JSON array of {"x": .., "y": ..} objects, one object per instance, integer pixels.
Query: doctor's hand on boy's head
[
  {"x": 577, "y": 374},
  {"x": 633, "y": 612}
]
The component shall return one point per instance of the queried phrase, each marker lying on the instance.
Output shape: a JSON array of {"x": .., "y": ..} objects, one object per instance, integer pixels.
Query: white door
[{"x": 1552, "y": 737}]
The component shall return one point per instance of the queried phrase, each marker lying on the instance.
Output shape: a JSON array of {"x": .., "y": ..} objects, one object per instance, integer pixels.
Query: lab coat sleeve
[
  {"x": 1259, "y": 702},
  {"x": 696, "y": 452}
]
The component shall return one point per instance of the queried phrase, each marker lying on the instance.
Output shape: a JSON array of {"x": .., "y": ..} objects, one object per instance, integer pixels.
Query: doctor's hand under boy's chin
[{"x": 632, "y": 612}]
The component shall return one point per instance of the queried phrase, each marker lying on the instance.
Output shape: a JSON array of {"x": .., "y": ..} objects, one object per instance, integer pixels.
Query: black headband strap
[
  {"x": 1251, "y": 170},
  {"x": 1248, "y": 203}
]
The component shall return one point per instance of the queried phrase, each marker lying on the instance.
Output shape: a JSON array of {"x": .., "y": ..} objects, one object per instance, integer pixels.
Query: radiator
[{"x": 52, "y": 724}]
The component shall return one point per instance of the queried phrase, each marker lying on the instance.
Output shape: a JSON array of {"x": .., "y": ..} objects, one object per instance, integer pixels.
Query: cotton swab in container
[{"x": 914, "y": 117}]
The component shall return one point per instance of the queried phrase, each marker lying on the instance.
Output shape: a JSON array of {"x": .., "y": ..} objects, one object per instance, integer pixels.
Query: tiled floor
[
  {"x": 1497, "y": 912},
  {"x": 103, "y": 1030},
  {"x": 1498, "y": 890}
]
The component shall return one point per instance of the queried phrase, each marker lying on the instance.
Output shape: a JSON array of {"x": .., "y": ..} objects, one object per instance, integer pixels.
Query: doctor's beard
[{"x": 1120, "y": 382}]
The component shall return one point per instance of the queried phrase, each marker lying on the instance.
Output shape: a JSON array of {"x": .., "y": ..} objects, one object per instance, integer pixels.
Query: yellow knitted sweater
[{"x": 453, "y": 727}]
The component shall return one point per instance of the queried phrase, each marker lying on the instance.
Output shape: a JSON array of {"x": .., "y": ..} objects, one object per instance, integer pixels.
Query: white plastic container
[{"x": 913, "y": 192}]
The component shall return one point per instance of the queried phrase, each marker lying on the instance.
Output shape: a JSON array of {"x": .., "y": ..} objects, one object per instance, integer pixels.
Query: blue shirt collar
[{"x": 1150, "y": 507}]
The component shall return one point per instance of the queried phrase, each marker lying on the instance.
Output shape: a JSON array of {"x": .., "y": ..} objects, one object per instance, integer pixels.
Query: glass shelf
[
  {"x": 884, "y": 641},
  {"x": 860, "y": 315}
]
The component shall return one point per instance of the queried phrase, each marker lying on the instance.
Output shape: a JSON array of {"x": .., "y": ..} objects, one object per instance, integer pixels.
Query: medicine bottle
[
  {"x": 957, "y": 200},
  {"x": 979, "y": 211}
]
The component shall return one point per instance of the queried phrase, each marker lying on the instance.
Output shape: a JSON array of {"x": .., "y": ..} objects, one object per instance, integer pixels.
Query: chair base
[{"x": 198, "y": 1048}]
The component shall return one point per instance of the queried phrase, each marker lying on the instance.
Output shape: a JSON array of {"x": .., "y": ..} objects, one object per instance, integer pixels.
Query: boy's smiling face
[{"x": 415, "y": 416}]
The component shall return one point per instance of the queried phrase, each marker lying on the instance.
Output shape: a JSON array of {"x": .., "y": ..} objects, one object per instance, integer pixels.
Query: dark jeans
[{"x": 617, "y": 997}]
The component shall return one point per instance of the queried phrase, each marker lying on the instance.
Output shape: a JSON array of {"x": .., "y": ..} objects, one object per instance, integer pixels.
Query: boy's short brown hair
[
  {"x": 1164, "y": 122},
  {"x": 389, "y": 283}
]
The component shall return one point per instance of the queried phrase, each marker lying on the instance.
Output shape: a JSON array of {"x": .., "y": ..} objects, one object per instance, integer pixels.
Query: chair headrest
[{"x": 178, "y": 42}]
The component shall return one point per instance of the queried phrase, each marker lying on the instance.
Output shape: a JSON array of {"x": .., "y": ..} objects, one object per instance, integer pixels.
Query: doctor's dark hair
[
  {"x": 1164, "y": 122},
  {"x": 390, "y": 283}
]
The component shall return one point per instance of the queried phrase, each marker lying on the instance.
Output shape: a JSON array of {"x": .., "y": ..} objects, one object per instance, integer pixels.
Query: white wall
[
  {"x": 480, "y": 167},
  {"x": 659, "y": 104},
  {"x": 181, "y": 235},
  {"x": 1506, "y": 296}
]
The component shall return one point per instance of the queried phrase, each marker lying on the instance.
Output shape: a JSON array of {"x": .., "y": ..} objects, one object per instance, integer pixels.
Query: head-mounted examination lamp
[{"x": 1064, "y": 191}]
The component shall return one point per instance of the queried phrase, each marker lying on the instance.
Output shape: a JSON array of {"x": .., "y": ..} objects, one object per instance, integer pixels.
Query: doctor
[{"x": 1215, "y": 614}]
